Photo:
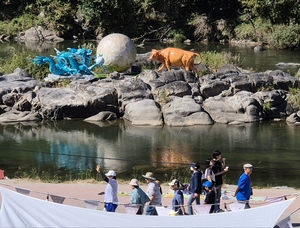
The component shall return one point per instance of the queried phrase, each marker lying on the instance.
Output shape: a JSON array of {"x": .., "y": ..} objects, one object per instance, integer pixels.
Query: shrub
[
  {"x": 18, "y": 24},
  {"x": 214, "y": 60},
  {"x": 294, "y": 98},
  {"x": 22, "y": 60},
  {"x": 285, "y": 36}
]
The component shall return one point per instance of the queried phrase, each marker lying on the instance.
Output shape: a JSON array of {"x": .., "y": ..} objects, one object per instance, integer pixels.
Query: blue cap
[
  {"x": 207, "y": 184},
  {"x": 195, "y": 165}
]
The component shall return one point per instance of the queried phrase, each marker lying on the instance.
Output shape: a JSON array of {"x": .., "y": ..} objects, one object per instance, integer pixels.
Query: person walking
[
  {"x": 178, "y": 200},
  {"x": 111, "y": 190},
  {"x": 138, "y": 196},
  {"x": 219, "y": 169},
  {"x": 153, "y": 192},
  {"x": 195, "y": 186},
  {"x": 244, "y": 188}
]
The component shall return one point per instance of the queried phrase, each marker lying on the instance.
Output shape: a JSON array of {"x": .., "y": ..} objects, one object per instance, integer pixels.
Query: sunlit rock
[{"x": 118, "y": 51}]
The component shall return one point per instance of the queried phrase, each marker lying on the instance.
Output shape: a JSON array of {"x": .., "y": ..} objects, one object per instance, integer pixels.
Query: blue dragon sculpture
[{"x": 71, "y": 62}]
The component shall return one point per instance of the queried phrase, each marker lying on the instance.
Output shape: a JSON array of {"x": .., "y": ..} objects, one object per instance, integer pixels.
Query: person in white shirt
[
  {"x": 153, "y": 192},
  {"x": 111, "y": 190}
]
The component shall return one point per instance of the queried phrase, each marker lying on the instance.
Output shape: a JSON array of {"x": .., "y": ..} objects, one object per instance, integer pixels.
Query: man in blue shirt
[
  {"x": 244, "y": 188},
  {"x": 178, "y": 200}
]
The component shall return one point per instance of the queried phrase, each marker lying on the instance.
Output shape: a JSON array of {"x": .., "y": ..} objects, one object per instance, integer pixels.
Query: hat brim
[{"x": 151, "y": 178}]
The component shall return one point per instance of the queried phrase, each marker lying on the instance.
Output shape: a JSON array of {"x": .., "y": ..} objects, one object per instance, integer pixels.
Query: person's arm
[
  {"x": 241, "y": 184},
  {"x": 236, "y": 191},
  {"x": 221, "y": 172},
  {"x": 182, "y": 209},
  {"x": 151, "y": 199},
  {"x": 105, "y": 178},
  {"x": 151, "y": 193},
  {"x": 223, "y": 162}
]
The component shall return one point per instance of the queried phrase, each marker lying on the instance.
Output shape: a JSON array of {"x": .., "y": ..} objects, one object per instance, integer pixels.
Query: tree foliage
[
  {"x": 153, "y": 19},
  {"x": 277, "y": 11}
]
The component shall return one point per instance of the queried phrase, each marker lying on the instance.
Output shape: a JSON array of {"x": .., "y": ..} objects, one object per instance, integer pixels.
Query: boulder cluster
[{"x": 175, "y": 98}]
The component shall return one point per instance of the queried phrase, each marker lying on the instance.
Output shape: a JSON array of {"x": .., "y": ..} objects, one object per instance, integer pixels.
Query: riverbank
[{"x": 75, "y": 193}]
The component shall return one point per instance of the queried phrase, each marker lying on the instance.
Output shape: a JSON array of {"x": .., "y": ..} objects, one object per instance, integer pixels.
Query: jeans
[
  {"x": 111, "y": 207},
  {"x": 150, "y": 210},
  {"x": 190, "y": 201},
  {"x": 218, "y": 197}
]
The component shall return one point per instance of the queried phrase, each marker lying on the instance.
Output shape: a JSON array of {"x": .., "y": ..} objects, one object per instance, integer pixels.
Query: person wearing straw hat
[
  {"x": 111, "y": 190},
  {"x": 178, "y": 200},
  {"x": 138, "y": 196},
  {"x": 244, "y": 188},
  {"x": 153, "y": 193}
]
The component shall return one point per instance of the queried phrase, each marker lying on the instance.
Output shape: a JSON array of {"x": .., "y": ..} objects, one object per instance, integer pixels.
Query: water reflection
[{"x": 74, "y": 146}]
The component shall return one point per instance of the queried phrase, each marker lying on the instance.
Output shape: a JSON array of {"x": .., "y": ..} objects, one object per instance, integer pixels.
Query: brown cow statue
[{"x": 175, "y": 57}]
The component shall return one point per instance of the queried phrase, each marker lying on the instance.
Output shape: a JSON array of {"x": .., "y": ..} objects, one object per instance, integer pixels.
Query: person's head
[
  {"x": 195, "y": 166},
  {"x": 248, "y": 168},
  {"x": 216, "y": 155},
  {"x": 134, "y": 183},
  {"x": 207, "y": 185},
  {"x": 149, "y": 177},
  {"x": 209, "y": 163},
  {"x": 174, "y": 184},
  {"x": 111, "y": 174}
]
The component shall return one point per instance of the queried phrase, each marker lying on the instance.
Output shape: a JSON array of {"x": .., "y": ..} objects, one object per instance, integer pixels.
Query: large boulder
[
  {"x": 144, "y": 112},
  {"x": 185, "y": 112},
  {"x": 18, "y": 116},
  {"x": 243, "y": 107},
  {"x": 118, "y": 51},
  {"x": 81, "y": 102}
]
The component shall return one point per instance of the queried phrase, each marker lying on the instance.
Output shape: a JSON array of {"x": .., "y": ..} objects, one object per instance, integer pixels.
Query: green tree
[{"x": 276, "y": 11}]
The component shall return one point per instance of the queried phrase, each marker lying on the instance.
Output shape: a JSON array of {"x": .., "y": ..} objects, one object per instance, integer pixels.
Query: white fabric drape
[{"x": 18, "y": 210}]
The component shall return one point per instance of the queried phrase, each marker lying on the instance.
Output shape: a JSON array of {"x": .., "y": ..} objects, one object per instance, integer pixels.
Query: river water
[
  {"x": 75, "y": 146},
  {"x": 70, "y": 147}
]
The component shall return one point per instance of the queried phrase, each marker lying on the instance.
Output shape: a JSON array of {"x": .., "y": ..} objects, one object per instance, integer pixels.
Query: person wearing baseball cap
[
  {"x": 111, "y": 190},
  {"x": 244, "y": 188},
  {"x": 178, "y": 199},
  {"x": 210, "y": 195},
  {"x": 195, "y": 186}
]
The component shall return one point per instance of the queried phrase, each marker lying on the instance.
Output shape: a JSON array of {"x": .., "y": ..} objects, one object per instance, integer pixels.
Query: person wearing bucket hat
[
  {"x": 153, "y": 192},
  {"x": 111, "y": 190},
  {"x": 195, "y": 186},
  {"x": 178, "y": 200},
  {"x": 138, "y": 196},
  {"x": 210, "y": 195},
  {"x": 244, "y": 188}
]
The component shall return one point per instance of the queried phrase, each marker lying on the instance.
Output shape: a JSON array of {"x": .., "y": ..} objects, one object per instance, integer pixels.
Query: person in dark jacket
[{"x": 195, "y": 186}]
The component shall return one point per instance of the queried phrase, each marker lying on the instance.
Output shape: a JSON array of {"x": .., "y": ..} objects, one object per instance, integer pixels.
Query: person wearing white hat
[
  {"x": 153, "y": 192},
  {"x": 178, "y": 199},
  {"x": 111, "y": 190},
  {"x": 244, "y": 188},
  {"x": 138, "y": 196}
]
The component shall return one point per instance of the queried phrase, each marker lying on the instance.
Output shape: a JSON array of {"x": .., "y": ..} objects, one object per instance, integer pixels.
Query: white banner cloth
[{"x": 18, "y": 210}]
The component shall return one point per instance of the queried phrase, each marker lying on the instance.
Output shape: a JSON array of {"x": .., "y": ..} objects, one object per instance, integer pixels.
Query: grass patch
[
  {"x": 294, "y": 98},
  {"x": 214, "y": 60}
]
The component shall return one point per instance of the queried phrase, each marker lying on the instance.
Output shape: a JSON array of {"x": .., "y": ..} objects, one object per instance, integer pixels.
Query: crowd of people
[{"x": 208, "y": 183}]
